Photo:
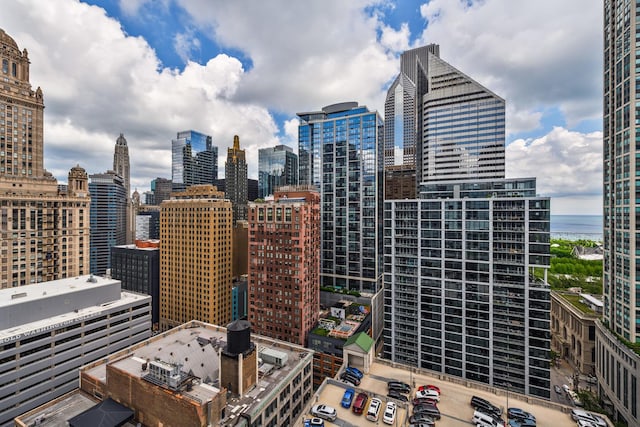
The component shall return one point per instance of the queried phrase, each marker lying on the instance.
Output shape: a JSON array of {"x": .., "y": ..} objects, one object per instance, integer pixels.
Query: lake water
[{"x": 574, "y": 227}]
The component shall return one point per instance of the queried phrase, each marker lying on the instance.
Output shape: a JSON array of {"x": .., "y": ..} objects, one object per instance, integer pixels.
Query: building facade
[
  {"x": 235, "y": 178},
  {"x": 44, "y": 232},
  {"x": 284, "y": 266},
  {"x": 465, "y": 282},
  {"x": 573, "y": 329},
  {"x": 161, "y": 189},
  {"x": 137, "y": 267},
  {"x": 196, "y": 257},
  {"x": 121, "y": 166},
  {"x": 109, "y": 203},
  {"x": 340, "y": 153},
  {"x": 618, "y": 367},
  {"x": 194, "y": 160},
  {"x": 148, "y": 225},
  {"x": 277, "y": 167},
  {"x": 49, "y": 330}
]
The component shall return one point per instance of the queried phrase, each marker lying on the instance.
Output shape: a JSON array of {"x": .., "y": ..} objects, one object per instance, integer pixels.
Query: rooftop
[
  {"x": 341, "y": 320},
  {"x": 585, "y": 303}
]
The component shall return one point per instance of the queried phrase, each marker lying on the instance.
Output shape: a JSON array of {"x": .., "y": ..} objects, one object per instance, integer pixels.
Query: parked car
[
  {"x": 566, "y": 388},
  {"x": 519, "y": 414},
  {"x": 395, "y": 394},
  {"x": 314, "y": 422},
  {"x": 423, "y": 424},
  {"x": 354, "y": 371},
  {"x": 557, "y": 389},
  {"x": 389, "y": 416},
  {"x": 430, "y": 410},
  {"x": 400, "y": 386},
  {"x": 424, "y": 400},
  {"x": 346, "y": 376},
  {"x": 347, "y": 398},
  {"x": 429, "y": 387},
  {"x": 324, "y": 411},
  {"x": 431, "y": 394},
  {"x": 484, "y": 405},
  {"x": 579, "y": 414},
  {"x": 522, "y": 423},
  {"x": 360, "y": 403},
  {"x": 373, "y": 413},
  {"x": 420, "y": 418}
]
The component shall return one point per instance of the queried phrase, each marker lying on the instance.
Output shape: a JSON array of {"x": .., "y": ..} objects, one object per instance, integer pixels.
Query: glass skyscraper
[
  {"x": 108, "y": 218},
  {"x": 277, "y": 166},
  {"x": 618, "y": 365},
  {"x": 340, "y": 153},
  {"x": 194, "y": 160}
]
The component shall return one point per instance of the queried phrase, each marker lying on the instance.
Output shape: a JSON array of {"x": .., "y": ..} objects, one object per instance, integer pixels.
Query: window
[{"x": 5, "y": 66}]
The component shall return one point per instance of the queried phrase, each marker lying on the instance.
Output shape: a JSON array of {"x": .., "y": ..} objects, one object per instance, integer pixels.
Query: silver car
[{"x": 324, "y": 411}]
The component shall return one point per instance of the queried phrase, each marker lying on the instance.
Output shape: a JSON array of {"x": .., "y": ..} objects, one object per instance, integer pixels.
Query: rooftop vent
[{"x": 92, "y": 279}]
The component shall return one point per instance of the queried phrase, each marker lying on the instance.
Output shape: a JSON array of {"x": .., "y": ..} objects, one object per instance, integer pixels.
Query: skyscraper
[
  {"x": 465, "y": 282},
  {"x": 235, "y": 177},
  {"x": 44, "y": 231},
  {"x": 162, "y": 188},
  {"x": 122, "y": 168},
  {"x": 108, "y": 218},
  {"x": 195, "y": 258},
  {"x": 277, "y": 167},
  {"x": 340, "y": 149},
  {"x": 284, "y": 268},
  {"x": 617, "y": 365},
  {"x": 403, "y": 106},
  {"x": 194, "y": 160}
]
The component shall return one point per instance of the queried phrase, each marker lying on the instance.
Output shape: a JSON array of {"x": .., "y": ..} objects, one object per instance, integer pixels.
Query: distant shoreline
[{"x": 577, "y": 227}]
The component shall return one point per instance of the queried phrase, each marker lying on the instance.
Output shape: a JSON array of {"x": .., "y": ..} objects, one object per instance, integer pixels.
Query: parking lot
[{"x": 454, "y": 401}]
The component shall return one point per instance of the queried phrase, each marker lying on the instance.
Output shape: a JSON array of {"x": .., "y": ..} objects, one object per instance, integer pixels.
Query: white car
[
  {"x": 389, "y": 416},
  {"x": 324, "y": 411},
  {"x": 430, "y": 394}
]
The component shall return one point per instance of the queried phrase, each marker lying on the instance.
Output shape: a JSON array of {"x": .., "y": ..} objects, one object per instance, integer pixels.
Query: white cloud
[
  {"x": 533, "y": 54},
  {"x": 395, "y": 40},
  {"x": 567, "y": 165},
  {"x": 185, "y": 43}
]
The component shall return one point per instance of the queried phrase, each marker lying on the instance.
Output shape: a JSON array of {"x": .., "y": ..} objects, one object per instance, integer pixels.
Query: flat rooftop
[{"x": 194, "y": 346}]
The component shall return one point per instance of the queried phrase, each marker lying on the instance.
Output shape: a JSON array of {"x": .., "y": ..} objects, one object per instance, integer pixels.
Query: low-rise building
[
  {"x": 573, "y": 330},
  {"x": 49, "y": 330}
]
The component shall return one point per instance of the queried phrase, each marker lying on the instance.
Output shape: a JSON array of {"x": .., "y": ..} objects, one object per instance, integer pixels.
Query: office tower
[
  {"x": 277, "y": 167},
  {"x": 465, "y": 282},
  {"x": 196, "y": 257},
  {"x": 240, "y": 249},
  {"x": 463, "y": 127},
  {"x": 122, "y": 168},
  {"x": 51, "y": 329},
  {"x": 45, "y": 231},
  {"x": 340, "y": 153},
  {"x": 252, "y": 189},
  {"x": 137, "y": 267},
  {"x": 617, "y": 365},
  {"x": 403, "y": 106},
  {"x": 239, "y": 298},
  {"x": 148, "y": 225},
  {"x": 162, "y": 188},
  {"x": 108, "y": 218},
  {"x": 399, "y": 182},
  {"x": 235, "y": 176},
  {"x": 194, "y": 160},
  {"x": 284, "y": 268}
]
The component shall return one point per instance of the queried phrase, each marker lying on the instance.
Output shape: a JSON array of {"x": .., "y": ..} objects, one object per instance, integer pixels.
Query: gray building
[
  {"x": 236, "y": 183},
  {"x": 194, "y": 161},
  {"x": 161, "y": 189},
  {"x": 108, "y": 218},
  {"x": 49, "y": 330},
  {"x": 340, "y": 149},
  {"x": 465, "y": 282},
  {"x": 618, "y": 365},
  {"x": 148, "y": 225},
  {"x": 277, "y": 166}
]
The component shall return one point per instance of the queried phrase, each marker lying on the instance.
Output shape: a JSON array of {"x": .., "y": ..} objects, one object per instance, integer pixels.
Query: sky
[{"x": 151, "y": 68}]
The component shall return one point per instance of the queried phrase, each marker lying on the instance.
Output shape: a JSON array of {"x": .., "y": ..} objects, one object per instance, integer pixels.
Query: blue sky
[{"x": 152, "y": 68}]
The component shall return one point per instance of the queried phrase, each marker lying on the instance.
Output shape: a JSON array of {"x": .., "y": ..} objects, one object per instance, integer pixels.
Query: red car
[
  {"x": 429, "y": 387},
  {"x": 359, "y": 403}
]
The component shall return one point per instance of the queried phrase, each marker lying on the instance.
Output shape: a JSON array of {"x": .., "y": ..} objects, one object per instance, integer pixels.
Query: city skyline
[{"x": 201, "y": 73}]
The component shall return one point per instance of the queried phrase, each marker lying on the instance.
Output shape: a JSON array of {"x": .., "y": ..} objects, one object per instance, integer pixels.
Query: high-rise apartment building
[
  {"x": 196, "y": 257},
  {"x": 277, "y": 167},
  {"x": 49, "y": 330},
  {"x": 403, "y": 106},
  {"x": 284, "y": 267},
  {"x": 148, "y": 224},
  {"x": 465, "y": 282},
  {"x": 340, "y": 153},
  {"x": 235, "y": 177},
  {"x": 108, "y": 218},
  {"x": 44, "y": 232},
  {"x": 194, "y": 160},
  {"x": 618, "y": 365}
]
